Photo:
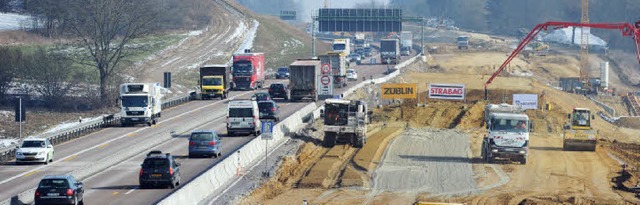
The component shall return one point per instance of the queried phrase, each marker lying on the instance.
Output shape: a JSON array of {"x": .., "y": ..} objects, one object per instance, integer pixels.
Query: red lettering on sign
[{"x": 446, "y": 91}]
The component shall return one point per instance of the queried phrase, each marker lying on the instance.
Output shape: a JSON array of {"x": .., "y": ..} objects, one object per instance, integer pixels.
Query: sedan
[
  {"x": 59, "y": 189},
  {"x": 352, "y": 74},
  {"x": 261, "y": 96}
]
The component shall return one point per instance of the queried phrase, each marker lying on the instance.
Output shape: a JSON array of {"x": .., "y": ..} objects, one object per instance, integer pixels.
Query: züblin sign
[{"x": 401, "y": 90}]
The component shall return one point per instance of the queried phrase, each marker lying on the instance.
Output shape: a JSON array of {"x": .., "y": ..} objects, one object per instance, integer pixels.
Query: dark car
[
  {"x": 268, "y": 110},
  {"x": 279, "y": 90},
  {"x": 282, "y": 73},
  {"x": 204, "y": 143},
  {"x": 261, "y": 96},
  {"x": 59, "y": 189},
  {"x": 159, "y": 169}
]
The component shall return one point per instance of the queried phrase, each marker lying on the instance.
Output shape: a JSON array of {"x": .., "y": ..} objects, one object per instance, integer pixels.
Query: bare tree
[
  {"x": 9, "y": 62},
  {"x": 52, "y": 75},
  {"x": 106, "y": 27}
]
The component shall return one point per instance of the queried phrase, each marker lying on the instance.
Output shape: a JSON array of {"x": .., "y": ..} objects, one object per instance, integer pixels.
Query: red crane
[{"x": 626, "y": 28}]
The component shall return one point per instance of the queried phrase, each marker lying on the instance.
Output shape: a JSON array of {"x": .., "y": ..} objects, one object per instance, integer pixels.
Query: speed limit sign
[
  {"x": 325, "y": 80},
  {"x": 326, "y": 68}
]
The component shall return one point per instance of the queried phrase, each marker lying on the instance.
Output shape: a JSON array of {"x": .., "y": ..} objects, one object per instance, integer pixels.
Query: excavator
[{"x": 578, "y": 133}]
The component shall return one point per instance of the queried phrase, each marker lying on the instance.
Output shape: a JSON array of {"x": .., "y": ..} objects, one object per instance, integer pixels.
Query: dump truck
[
  {"x": 462, "y": 42},
  {"x": 339, "y": 66},
  {"x": 303, "y": 76},
  {"x": 507, "y": 135},
  {"x": 345, "y": 121},
  {"x": 214, "y": 81},
  {"x": 248, "y": 70},
  {"x": 578, "y": 133},
  {"x": 406, "y": 43},
  {"x": 389, "y": 51},
  {"x": 141, "y": 103}
]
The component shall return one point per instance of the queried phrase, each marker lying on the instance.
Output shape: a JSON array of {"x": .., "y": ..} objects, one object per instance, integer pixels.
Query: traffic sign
[
  {"x": 325, "y": 80},
  {"x": 325, "y": 68},
  {"x": 266, "y": 130}
]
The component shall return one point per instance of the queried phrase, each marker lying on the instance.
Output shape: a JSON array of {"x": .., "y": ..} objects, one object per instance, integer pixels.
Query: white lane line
[
  {"x": 129, "y": 192},
  {"x": 109, "y": 141}
]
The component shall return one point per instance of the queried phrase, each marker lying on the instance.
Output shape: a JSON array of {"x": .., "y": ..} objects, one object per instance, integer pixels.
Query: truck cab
[
  {"x": 248, "y": 70},
  {"x": 214, "y": 81},
  {"x": 342, "y": 45},
  {"x": 141, "y": 103},
  {"x": 507, "y": 137},
  {"x": 462, "y": 42}
]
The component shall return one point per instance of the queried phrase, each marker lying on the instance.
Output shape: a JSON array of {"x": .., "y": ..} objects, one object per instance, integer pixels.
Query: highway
[{"x": 118, "y": 184}]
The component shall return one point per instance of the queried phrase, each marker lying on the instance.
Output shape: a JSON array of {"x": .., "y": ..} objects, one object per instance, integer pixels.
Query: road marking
[
  {"x": 115, "y": 193},
  {"x": 71, "y": 158},
  {"x": 114, "y": 139},
  {"x": 31, "y": 173},
  {"x": 129, "y": 192},
  {"x": 103, "y": 146}
]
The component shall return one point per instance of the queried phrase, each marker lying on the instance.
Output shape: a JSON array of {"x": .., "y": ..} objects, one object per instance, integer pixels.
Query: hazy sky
[{"x": 310, "y": 6}]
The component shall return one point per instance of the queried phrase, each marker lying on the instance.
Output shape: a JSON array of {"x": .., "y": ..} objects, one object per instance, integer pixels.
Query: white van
[{"x": 243, "y": 117}]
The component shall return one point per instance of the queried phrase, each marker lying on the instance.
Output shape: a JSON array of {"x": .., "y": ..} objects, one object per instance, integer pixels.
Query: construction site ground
[{"x": 428, "y": 150}]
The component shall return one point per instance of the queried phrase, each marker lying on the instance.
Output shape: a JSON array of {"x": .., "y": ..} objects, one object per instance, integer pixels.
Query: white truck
[
  {"x": 141, "y": 103},
  {"x": 507, "y": 137},
  {"x": 342, "y": 45},
  {"x": 406, "y": 43},
  {"x": 345, "y": 121}
]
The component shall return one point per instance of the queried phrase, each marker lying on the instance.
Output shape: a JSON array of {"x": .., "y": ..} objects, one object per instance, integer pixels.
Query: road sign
[
  {"x": 325, "y": 69},
  {"x": 325, "y": 80},
  {"x": 266, "y": 130}
]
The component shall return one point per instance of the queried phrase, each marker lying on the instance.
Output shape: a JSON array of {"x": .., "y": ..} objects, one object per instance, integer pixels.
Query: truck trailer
[
  {"x": 303, "y": 79},
  {"x": 141, "y": 103},
  {"x": 389, "y": 51},
  {"x": 214, "y": 81},
  {"x": 248, "y": 70}
]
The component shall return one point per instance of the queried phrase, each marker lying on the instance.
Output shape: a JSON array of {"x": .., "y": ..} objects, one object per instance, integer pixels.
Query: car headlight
[
  {"x": 494, "y": 150},
  {"x": 18, "y": 153},
  {"x": 522, "y": 152},
  {"x": 41, "y": 153}
]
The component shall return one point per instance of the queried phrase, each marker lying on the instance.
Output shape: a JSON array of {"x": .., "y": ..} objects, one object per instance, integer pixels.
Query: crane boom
[{"x": 626, "y": 28}]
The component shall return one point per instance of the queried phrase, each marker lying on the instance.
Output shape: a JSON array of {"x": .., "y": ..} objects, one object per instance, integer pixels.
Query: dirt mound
[
  {"x": 629, "y": 122},
  {"x": 436, "y": 114},
  {"x": 325, "y": 172},
  {"x": 473, "y": 118}
]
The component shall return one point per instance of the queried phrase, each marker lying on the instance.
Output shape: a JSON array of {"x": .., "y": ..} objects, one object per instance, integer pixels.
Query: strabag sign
[
  {"x": 526, "y": 101},
  {"x": 446, "y": 91}
]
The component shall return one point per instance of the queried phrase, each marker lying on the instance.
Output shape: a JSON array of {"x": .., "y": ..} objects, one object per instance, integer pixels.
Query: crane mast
[{"x": 584, "y": 48}]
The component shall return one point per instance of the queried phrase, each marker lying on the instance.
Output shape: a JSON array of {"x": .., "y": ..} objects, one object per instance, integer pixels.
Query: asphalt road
[{"x": 118, "y": 184}]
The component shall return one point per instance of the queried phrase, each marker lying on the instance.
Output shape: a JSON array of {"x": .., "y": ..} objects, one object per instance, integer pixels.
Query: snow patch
[
  {"x": 6, "y": 113},
  {"x": 8, "y": 142},
  {"x": 249, "y": 37},
  {"x": 195, "y": 33},
  {"x": 242, "y": 28},
  {"x": 13, "y": 21},
  {"x": 564, "y": 36},
  {"x": 70, "y": 124}
]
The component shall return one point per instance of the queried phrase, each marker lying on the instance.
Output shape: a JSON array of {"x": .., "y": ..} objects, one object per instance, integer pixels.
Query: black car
[
  {"x": 159, "y": 169},
  {"x": 282, "y": 73},
  {"x": 261, "y": 96},
  {"x": 59, "y": 189},
  {"x": 268, "y": 110},
  {"x": 279, "y": 90}
]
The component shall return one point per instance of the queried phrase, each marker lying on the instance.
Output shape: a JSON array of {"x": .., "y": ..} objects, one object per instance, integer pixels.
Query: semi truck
[
  {"x": 214, "y": 81},
  {"x": 248, "y": 70},
  {"x": 507, "y": 134},
  {"x": 303, "y": 79},
  {"x": 578, "y": 133},
  {"x": 141, "y": 103},
  {"x": 339, "y": 66},
  {"x": 389, "y": 51},
  {"x": 342, "y": 45},
  {"x": 406, "y": 41},
  {"x": 345, "y": 121}
]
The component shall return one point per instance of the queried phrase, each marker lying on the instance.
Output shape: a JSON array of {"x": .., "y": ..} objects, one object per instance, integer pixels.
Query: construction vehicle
[
  {"x": 339, "y": 66},
  {"x": 508, "y": 134},
  {"x": 342, "y": 45},
  {"x": 578, "y": 133},
  {"x": 390, "y": 51},
  {"x": 303, "y": 79},
  {"x": 248, "y": 70},
  {"x": 141, "y": 103},
  {"x": 345, "y": 121},
  {"x": 214, "y": 81},
  {"x": 462, "y": 42}
]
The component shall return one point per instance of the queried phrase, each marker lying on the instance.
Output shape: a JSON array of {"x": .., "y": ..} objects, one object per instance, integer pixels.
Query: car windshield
[
  {"x": 283, "y": 70},
  {"x": 338, "y": 47},
  {"x": 212, "y": 81},
  {"x": 33, "y": 143},
  {"x": 53, "y": 184},
  {"x": 202, "y": 136},
  {"x": 509, "y": 125},
  {"x": 155, "y": 163},
  {"x": 277, "y": 86},
  {"x": 351, "y": 71},
  {"x": 240, "y": 112},
  {"x": 134, "y": 101},
  {"x": 242, "y": 67}
]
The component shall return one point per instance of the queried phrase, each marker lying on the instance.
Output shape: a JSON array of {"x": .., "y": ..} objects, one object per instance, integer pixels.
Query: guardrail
[
  {"x": 607, "y": 108},
  {"x": 63, "y": 135}
]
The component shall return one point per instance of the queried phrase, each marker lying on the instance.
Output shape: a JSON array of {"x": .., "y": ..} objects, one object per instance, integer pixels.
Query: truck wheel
[
  {"x": 153, "y": 122},
  {"x": 229, "y": 133},
  {"x": 490, "y": 160},
  {"x": 148, "y": 123},
  {"x": 222, "y": 97},
  {"x": 359, "y": 142},
  {"x": 329, "y": 139},
  {"x": 523, "y": 160}
]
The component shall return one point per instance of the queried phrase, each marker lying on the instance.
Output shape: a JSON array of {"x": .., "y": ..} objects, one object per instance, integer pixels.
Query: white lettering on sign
[{"x": 447, "y": 91}]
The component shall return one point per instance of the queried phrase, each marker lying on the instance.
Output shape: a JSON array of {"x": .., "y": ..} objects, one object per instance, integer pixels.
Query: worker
[{"x": 521, "y": 125}]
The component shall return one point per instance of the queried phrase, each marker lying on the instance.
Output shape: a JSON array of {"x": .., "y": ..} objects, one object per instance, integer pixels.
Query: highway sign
[
  {"x": 325, "y": 85},
  {"x": 325, "y": 68},
  {"x": 266, "y": 131},
  {"x": 325, "y": 80}
]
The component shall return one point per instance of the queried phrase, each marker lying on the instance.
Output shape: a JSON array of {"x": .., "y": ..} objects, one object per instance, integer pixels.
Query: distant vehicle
[
  {"x": 354, "y": 57},
  {"x": 159, "y": 169},
  {"x": 215, "y": 81},
  {"x": 342, "y": 45},
  {"x": 508, "y": 134},
  {"x": 345, "y": 121},
  {"x": 279, "y": 90},
  {"x": 35, "y": 150},
  {"x": 204, "y": 143},
  {"x": 352, "y": 74},
  {"x": 578, "y": 133},
  {"x": 59, "y": 189},
  {"x": 406, "y": 41},
  {"x": 282, "y": 73},
  {"x": 368, "y": 51},
  {"x": 243, "y": 117},
  {"x": 141, "y": 103},
  {"x": 269, "y": 110},
  {"x": 248, "y": 70},
  {"x": 261, "y": 96},
  {"x": 389, "y": 51},
  {"x": 303, "y": 80},
  {"x": 462, "y": 42}
]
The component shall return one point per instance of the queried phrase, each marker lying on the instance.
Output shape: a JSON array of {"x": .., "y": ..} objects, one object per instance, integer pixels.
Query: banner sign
[
  {"x": 526, "y": 101},
  {"x": 446, "y": 91},
  {"x": 399, "y": 91}
]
